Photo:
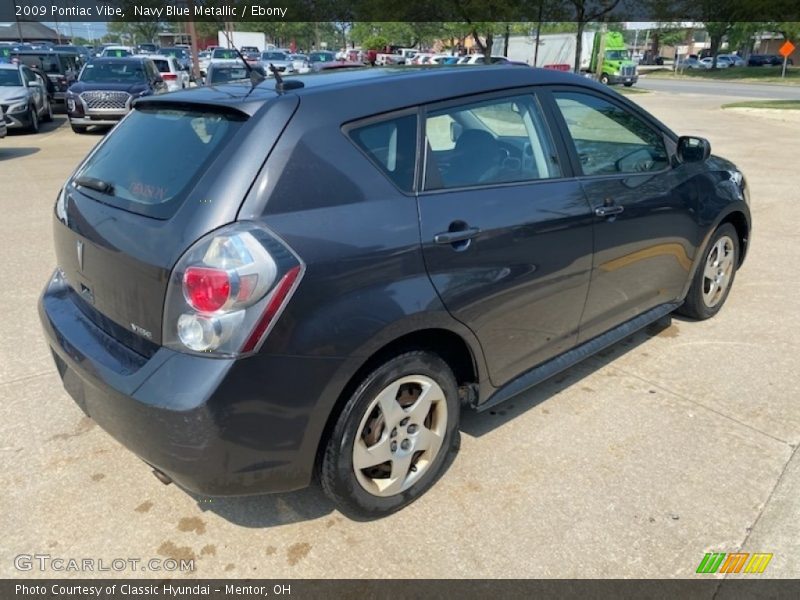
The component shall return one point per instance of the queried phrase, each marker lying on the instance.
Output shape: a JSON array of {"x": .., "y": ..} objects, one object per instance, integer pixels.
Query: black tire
[
  {"x": 78, "y": 128},
  {"x": 696, "y": 306},
  {"x": 604, "y": 79},
  {"x": 628, "y": 84},
  {"x": 34, "y": 126},
  {"x": 48, "y": 115},
  {"x": 337, "y": 472}
]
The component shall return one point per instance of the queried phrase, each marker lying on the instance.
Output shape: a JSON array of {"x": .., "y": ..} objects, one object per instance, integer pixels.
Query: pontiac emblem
[{"x": 80, "y": 255}]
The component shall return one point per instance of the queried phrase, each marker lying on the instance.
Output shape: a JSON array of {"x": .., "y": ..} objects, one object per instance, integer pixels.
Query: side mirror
[
  {"x": 693, "y": 149},
  {"x": 455, "y": 130}
]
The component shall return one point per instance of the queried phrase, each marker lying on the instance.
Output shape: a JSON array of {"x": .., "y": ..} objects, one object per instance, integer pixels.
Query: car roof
[
  {"x": 387, "y": 89},
  {"x": 10, "y": 66}
]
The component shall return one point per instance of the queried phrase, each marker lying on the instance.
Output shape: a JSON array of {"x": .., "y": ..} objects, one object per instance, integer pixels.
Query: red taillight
[
  {"x": 206, "y": 289},
  {"x": 275, "y": 303},
  {"x": 169, "y": 76}
]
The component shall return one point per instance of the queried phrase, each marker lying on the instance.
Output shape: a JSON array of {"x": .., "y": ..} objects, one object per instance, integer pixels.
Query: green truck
[
  {"x": 557, "y": 51},
  {"x": 617, "y": 65}
]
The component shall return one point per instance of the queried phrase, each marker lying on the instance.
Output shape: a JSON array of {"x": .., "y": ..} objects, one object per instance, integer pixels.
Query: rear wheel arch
[{"x": 448, "y": 345}]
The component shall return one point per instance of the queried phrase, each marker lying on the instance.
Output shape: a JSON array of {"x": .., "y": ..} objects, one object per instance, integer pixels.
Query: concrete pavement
[{"x": 678, "y": 441}]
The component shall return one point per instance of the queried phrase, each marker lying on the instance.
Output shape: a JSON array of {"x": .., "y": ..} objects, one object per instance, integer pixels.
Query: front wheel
[
  {"x": 48, "y": 114},
  {"x": 604, "y": 79},
  {"x": 78, "y": 128},
  {"x": 34, "y": 126},
  {"x": 394, "y": 438},
  {"x": 627, "y": 84},
  {"x": 714, "y": 278}
]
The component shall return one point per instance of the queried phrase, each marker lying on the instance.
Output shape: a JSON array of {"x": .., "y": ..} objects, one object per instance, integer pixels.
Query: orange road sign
[{"x": 786, "y": 49}]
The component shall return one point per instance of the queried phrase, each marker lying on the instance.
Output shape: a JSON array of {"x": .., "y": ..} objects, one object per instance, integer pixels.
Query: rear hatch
[{"x": 167, "y": 175}]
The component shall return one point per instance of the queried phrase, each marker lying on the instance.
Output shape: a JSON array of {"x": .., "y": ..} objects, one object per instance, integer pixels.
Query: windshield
[
  {"x": 116, "y": 53},
  {"x": 10, "y": 78},
  {"x": 113, "y": 72},
  {"x": 153, "y": 157},
  {"x": 176, "y": 52},
  {"x": 617, "y": 54},
  {"x": 224, "y": 53},
  {"x": 273, "y": 56}
]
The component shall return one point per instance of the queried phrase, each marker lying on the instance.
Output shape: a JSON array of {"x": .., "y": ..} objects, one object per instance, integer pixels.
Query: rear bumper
[{"x": 215, "y": 426}]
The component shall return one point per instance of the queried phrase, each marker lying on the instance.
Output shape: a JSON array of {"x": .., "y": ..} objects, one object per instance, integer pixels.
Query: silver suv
[{"x": 23, "y": 98}]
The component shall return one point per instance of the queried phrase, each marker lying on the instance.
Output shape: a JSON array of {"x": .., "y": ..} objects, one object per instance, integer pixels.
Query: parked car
[
  {"x": 84, "y": 54},
  {"x": 766, "y": 60},
  {"x": 690, "y": 63},
  {"x": 106, "y": 89},
  {"x": 224, "y": 54},
  {"x": 322, "y": 56},
  {"x": 222, "y": 72},
  {"x": 480, "y": 59},
  {"x": 203, "y": 58},
  {"x": 722, "y": 62},
  {"x": 175, "y": 76},
  {"x": 300, "y": 63},
  {"x": 246, "y": 49},
  {"x": 23, "y": 98},
  {"x": 181, "y": 54},
  {"x": 279, "y": 60},
  {"x": 776, "y": 60},
  {"x": 734, "y": 59},
  {"x": 60, "y": 67},
  {"x": 147, "y": 49},
  {"x": 117, "y": 51},
  {"x": 255, "y": 284}
]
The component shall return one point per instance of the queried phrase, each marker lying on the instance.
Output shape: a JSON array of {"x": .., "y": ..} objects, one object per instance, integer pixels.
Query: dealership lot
[{"x": 679, "y": 441}]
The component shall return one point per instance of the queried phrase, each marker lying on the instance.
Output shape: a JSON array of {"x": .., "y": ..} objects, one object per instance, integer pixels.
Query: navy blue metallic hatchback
[{"x": 260, "y": 283}]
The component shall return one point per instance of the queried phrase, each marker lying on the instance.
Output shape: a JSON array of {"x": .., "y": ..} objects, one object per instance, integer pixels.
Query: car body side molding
[{"x": 572, "y": 357}]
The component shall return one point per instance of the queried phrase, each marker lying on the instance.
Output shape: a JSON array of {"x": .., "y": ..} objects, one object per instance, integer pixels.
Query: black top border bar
[{"x": 422, "y": 11}]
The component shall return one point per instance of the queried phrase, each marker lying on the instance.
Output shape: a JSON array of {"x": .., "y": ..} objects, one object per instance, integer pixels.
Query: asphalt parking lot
[{"x": 679, "y": 441}]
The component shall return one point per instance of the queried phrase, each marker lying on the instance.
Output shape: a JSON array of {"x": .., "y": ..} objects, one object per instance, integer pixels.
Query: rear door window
[
  {"x": 149, "y": 164},
  {"x": 391, "y": 145}
]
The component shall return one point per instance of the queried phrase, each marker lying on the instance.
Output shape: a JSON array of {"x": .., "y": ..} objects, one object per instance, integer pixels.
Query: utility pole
[
  {"x": 538, "y": 34},
  {"x": 192, "y": 30}
]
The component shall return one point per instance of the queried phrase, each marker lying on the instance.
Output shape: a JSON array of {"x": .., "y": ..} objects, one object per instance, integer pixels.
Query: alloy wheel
[
  {"x": 718, "y": 270},
  {"x": 400, "y": 435}
]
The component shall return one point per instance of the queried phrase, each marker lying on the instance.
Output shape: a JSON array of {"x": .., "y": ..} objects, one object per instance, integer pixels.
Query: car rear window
[
  {"x": 154, "y": 156},
  {"x": 162, "y": 65},
  {"x": 48, "y": 63}
]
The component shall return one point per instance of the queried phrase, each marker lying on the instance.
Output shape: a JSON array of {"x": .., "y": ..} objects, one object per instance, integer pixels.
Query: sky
[{"x": 84, "y": 30}]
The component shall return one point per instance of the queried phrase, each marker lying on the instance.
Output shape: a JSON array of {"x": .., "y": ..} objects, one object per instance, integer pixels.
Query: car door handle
[
  {"x": 608, "y": 211},
  {"x": 453, "y": 237}
]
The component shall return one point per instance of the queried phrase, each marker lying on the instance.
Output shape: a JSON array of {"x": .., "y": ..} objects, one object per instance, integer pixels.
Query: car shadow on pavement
[
  {"x": 10, "y": 153},
  {"x": 270, "y": 510},
  {"x": 57, "y": 122},
  {"x": 477, "y": 424}
]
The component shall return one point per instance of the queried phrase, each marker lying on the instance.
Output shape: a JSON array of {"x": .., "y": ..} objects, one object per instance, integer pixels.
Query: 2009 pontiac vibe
[{"x": 260, "y": 281}]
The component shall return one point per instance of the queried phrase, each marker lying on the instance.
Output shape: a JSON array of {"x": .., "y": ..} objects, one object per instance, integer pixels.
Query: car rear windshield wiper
[{"x": 95, "y": 184}]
